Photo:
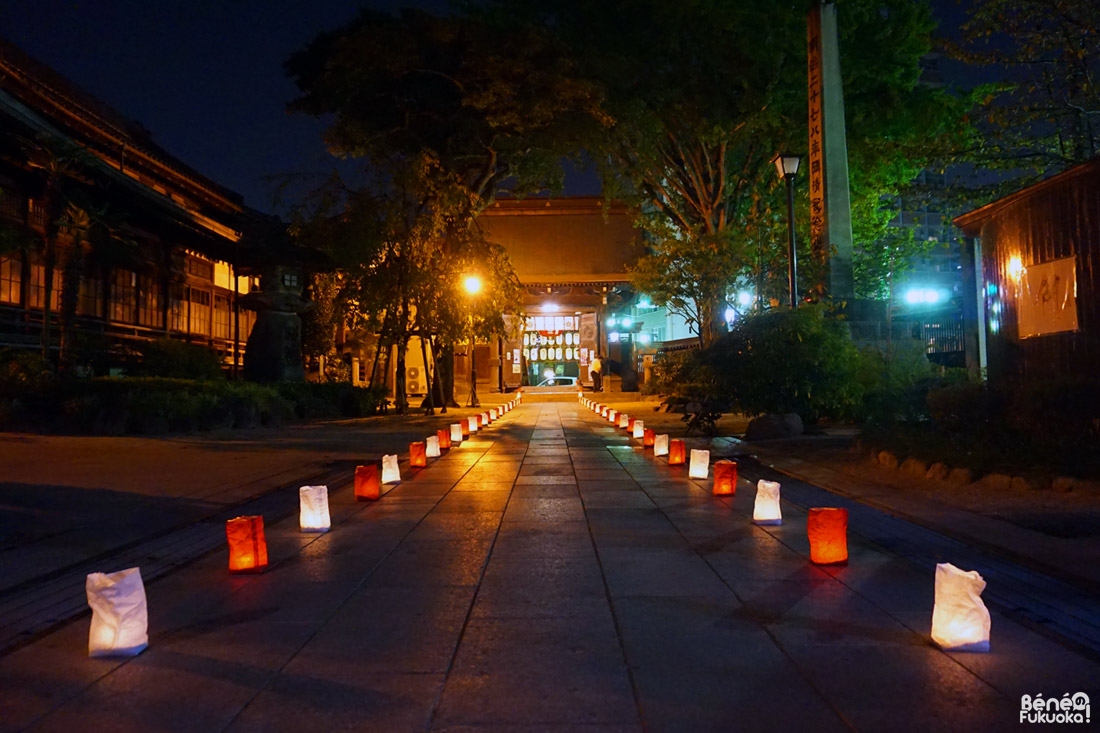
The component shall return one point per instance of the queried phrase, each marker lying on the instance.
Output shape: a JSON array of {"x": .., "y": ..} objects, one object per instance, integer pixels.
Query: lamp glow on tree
[
  {"x": 648, "y": 438},
  {"x": 827, "y": 530},
  {"x": 391, "y": 470},
  {"x": 368, "y": 487},
  {"x": 418, "y": 454},
  {"x": 639, "y": 429},
  {"x": 766, "y": 509},
  {"x": 444, "y": 437},
  {"x": 960, "y": 620},
  {"x": 676, "y": 452},
  {"x": 120, "y": 614},
  {"x": 431, "y": 446},
  {"x": 725, "y": 478},
  {"x": 247, "y": 544},
  {"x": 699, "y": 465},
  {"x": 313, "y": 515},
  {"x": 660, "y": 445}
]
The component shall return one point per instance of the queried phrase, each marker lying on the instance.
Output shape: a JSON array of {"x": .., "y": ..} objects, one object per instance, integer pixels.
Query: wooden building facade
[
  {"x": 163, "y": 251},
  {"x": 1035, "y": 258}
]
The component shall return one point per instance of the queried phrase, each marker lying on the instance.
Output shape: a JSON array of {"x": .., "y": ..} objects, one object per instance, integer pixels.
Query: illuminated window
[
  {"x": 177, "y": 308},
  {"x": 10, "y": 279},
  {"x": 91, "y": 297},
  {"x": 221, "y": 317},
  {"x": 123, "y": 296},
  {"x": 36, "y": 290},
  {"x": 151, "y": 307},
  {"x": 200, "y": 268},
  {"x": 200, "y": 312}
]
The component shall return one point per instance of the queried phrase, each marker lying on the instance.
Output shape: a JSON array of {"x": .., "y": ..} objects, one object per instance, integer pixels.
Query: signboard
[
  {"x": 817, "y": 138},
  {"x": 1046, "y": 299}
]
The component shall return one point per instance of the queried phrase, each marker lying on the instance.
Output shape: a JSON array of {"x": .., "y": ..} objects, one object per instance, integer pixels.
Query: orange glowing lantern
[
  {"x": 444, "y": 438},
  {"x": 464, "y": 427},
  {"x": 827, "y": 528},
  {"x": 725, "y": 478},
  {"x": 418, "y": 454},
  {"x": 676, "y": 452},
  {"x": 368, "y": 486},
  {"x": 247, "y": 546},
  {"x": 648, "y": 438}
]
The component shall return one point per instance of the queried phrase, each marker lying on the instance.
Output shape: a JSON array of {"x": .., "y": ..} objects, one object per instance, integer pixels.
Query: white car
[{"x": 558, "y": 382}]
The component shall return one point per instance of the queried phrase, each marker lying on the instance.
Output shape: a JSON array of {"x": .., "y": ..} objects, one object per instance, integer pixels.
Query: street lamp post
[
  {"x": 472, "y": 283},
  {"x": 787, "y": 167}
]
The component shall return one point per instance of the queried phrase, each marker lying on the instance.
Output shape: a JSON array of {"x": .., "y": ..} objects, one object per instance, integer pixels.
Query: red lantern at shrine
[
  {"x": 247, "y": 545},
  {"x": 677, "y": 454},
  {"x": 444, "y": 439},
  {"x": 725, "y": 478},
  {"x": 368, "y": 485},
  {"x": 418, "y": 454},
  {"x": 827, "y": 528}
]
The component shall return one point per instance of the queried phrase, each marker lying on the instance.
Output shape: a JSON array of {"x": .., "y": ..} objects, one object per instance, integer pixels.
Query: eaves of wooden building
[{"x": 181, "y": 248}]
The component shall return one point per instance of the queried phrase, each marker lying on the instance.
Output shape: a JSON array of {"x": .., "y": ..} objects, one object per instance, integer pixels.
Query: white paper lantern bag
[
  {"x": 471, "y": 422},
  {"x": 313, "y": 513},
  {"x": 493, "y": 414},
  {"x": 766, "y": 509},
  {"x": 639, "y": 429},
  {"x": 456, "y": 432},
  {"x": 391, "y": 470},
  {"x": 120, "y": 616},
  {"x": 700, "y": 464},
  {"x": 431, "y": 446},
  {"x": 660, "y": 445},
  {"x": 960, "y": 620}
]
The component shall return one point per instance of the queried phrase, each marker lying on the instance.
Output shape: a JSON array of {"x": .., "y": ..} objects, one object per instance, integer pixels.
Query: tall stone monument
[
  {"x": 274, "y": 351},
  {"x": 830, "y": 208}
]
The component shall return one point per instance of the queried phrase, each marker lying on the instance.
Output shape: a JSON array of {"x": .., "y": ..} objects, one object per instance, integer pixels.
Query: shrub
[
  {"x": 781, "y": 361},
  {"x": 173, "y": 359}
]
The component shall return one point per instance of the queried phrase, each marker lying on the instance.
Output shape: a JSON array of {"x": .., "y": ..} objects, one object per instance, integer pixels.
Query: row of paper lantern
[
  {"x": 120, "y": 617},
  {"x": 960, "y": 620}
]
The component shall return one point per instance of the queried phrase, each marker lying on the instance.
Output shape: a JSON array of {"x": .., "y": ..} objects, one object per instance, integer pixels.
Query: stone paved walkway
[{"x": 547, "y": 575}]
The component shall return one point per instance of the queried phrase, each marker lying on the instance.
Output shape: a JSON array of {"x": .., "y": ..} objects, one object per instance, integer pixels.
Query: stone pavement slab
[{"x": 552, "y": 575}]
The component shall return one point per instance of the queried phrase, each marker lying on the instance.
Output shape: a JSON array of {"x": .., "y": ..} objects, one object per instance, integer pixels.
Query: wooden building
[
  {"x": 1034, "y": 257},
  {"x": 164, "y": 251}
]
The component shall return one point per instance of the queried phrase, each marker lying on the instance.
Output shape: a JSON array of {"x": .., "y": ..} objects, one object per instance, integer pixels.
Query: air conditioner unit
[{"x": 413, "y": 382}]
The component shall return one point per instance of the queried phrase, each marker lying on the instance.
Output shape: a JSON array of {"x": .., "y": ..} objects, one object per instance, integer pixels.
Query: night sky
[{"x": 204, "y": 76}]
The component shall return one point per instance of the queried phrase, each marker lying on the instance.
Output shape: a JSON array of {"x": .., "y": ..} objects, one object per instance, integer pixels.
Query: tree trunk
[
  {"x": 429, "y": 401},
  {"x": 400, "y": 399},
  {"x": 70, "y": 297},
  {"x": 445, "y": 362}
]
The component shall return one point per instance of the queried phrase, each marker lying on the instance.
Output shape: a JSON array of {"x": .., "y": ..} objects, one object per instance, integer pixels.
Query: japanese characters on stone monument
[{"x": 830, "y": 211}]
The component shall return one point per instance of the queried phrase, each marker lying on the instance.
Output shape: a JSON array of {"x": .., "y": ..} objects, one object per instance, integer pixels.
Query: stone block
[
  {"x": 997, "y": 481},
  {"x": 914, "y": 467},
  {"x": 886, "y": 459},
  {"x": 773, "y": 426},
  {"x": 960, "y": 476},
  {"x": 1063, "y": 484},
  {"x": 937, "y": 472}
]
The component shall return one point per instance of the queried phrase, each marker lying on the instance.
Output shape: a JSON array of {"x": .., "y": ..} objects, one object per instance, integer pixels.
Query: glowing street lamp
[
  {"x": 787, "y": 167},
  {"x": 472, "y": 284}
]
